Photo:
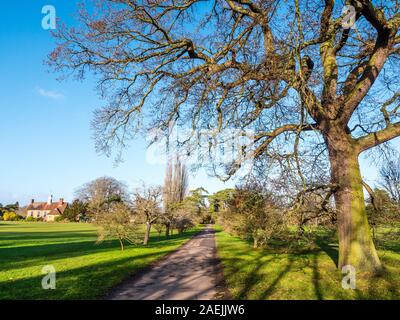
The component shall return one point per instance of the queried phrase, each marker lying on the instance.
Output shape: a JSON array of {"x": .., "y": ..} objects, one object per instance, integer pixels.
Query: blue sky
[
  {"x": 45, "y": 131},
  {"x": 46, "y": 145}
]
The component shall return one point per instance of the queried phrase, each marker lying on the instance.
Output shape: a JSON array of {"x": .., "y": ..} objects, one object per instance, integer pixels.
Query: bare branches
[
  {"x": 278, "y": 69},
  {"x": 376, "y": 138},
  {"x": 369, "y": 75},
  {"x": 374, "y": 16}
]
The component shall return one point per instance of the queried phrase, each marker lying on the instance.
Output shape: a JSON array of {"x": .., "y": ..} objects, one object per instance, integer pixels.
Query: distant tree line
[
  {"x": 120, "y": 214},
  {"x": 10, "y": 212}
]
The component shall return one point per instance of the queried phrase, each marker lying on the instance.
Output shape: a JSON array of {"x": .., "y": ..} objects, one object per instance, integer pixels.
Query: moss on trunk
[{"x": 356, "y": 247}]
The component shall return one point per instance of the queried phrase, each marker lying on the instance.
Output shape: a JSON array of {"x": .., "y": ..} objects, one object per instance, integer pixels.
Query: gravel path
[{"x": 193, "y": 272}]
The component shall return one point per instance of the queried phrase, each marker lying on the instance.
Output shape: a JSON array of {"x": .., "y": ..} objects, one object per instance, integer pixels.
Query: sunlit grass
[
  {"x": 302, "y": 274},
  {"x": 84, "y": 269}
]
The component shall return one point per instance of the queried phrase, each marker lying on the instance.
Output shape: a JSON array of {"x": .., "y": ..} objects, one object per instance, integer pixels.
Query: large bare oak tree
[{"x": 286, "y": 70}]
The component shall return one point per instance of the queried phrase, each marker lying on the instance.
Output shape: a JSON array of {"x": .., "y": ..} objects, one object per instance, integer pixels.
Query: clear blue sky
[{"x": 45, "y": 143}]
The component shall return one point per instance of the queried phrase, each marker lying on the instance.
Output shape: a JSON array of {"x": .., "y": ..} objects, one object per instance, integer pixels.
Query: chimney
[
  {"x": 50, "y": 200},
  {"x": 32, "y": 201},
  {"x": 61, "y": 201}
]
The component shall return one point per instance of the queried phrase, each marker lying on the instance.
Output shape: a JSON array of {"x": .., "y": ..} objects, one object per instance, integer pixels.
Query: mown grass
[
  {"x": 304, "y": 273},
  {"x": 85, "y": 270}
]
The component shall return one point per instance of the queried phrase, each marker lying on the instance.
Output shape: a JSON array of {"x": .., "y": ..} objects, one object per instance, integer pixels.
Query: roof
[{"x": 55, "y": 208}]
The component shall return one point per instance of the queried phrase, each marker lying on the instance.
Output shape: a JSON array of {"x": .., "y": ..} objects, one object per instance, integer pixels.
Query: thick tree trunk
[
  {"x": 147, "y": 233},
  {"x": 356, "y": 247},
  {"x": 167, "y": 229}
]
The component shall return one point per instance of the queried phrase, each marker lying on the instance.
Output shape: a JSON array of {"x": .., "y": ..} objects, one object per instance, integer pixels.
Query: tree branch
[{"x": 376, "y": 138}]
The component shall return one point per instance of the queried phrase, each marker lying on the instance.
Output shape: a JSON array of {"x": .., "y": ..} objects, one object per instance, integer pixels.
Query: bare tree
[
  {"x": 101, "y": 194},
  {"x": 147, "y": 204},
  {"x": 292, "y": 72},
  {"x": 253, "y": 214},
  {"x": 174, "y": 191},
  {"x": 118, "y": 223},
  {"x": 390, "y": 179}
]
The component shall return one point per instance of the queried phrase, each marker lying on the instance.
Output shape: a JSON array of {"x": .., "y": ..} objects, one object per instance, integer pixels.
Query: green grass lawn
[
  {"x": 308, "y": 274},
  {"x": 84, "y": 269}
]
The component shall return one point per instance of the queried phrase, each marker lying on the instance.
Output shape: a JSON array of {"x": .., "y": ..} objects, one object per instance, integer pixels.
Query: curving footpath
[{"x": 193, "y": 272}]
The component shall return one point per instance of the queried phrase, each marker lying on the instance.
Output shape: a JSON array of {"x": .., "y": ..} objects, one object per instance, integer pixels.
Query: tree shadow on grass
[
  {"x": 21, "y": 257},
  {"x": 260, "y": 258},
  {"x": 25, "y": 256},
  {"x": 324, "y": 242},
  {"x": 89, "y": 282},
  {"x": 276, "y": 281},
  {"x": 261, "y": 280},
  {"x": 316, "y": 278},
  {"x": 32, "y": 236}
]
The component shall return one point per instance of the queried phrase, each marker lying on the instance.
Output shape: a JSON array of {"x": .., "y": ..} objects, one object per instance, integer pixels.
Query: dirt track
[{"x": 193, "y": 272}]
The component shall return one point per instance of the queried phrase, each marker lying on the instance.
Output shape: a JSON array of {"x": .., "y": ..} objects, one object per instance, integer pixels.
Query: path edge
[{"x": 110, "y": 292}]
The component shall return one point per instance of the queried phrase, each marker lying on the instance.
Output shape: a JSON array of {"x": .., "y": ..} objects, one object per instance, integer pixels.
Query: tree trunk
[
  {"x": 255, "y": 243},
  {"x": 167, "y": 229},
  {"x": 122, "y": 244},
  {"x": 356, "y": 247},
  {"x": 147, "y": 233}
]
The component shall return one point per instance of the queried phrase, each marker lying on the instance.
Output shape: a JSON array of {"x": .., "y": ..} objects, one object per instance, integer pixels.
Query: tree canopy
[{"x": 293, "y": 81}]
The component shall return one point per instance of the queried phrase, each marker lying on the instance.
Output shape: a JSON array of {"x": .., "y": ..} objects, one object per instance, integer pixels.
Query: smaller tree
[
  {"x": 390, "y": 179},
  {"x": 76, "y": 211},
  {"x": 118, "y": 223},
  {"x": 12, "y": 207},
  {"x": 174, "y": 191},
  {"x": 101, "y": 194},
  {"x": 219, "y": 200},
  {"x": 312, "y": 206},
  {"x": 185, "y": 216},
  {"x": 147, "y": 205},
  {"x": 252, "y": 214},
  {"x": 195, "y": 205},
  {"x": 382, "y": 209},
  {"x": 159, "y": 226}
]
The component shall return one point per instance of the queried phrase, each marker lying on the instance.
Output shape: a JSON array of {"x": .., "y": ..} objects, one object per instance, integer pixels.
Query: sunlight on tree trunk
[
  {"x": 121, "y": 243},
  {"x": 147, "y": 234},
  {"x": 356, "y": 247}
]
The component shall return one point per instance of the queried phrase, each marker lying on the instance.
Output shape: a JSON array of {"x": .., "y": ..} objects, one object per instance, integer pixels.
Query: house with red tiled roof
[{"x": 48, "y": 211}]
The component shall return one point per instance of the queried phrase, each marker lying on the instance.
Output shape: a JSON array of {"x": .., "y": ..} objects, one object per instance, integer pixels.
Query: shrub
[
  {"x": 30, "y": 219},
  {"x": 77, "y": 211},
  {"x": 118, "y": 223},
  {"x": 252, "y": 214},
  {"x": 59, "y": 219},
  {"x": 10, "y": 216}
]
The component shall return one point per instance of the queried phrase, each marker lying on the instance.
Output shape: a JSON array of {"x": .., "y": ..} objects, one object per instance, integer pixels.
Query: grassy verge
[
  {"x": 84, "y": 270},
  {"x": 305, "y": 274}
]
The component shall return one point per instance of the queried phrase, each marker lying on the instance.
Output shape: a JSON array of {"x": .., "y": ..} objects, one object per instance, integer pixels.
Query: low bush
[
  {"x": 59, "y": 219},
  {"x": 10, "y": 216},
  {"x": 252, "y": 214}
]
